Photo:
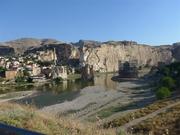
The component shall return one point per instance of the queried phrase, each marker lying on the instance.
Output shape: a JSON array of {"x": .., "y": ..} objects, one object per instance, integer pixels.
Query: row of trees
[{"x": 169, "y": 81}]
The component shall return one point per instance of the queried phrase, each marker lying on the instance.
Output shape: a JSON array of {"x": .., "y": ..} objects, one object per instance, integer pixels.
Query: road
[{"x": 151, "y": 115}]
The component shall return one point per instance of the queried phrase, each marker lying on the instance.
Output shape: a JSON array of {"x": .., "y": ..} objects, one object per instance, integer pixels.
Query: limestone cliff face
[
  {"x": 47, "y": 55},
  {"x": 105, "y": 57},
  {"x": 63, "y": 53}
]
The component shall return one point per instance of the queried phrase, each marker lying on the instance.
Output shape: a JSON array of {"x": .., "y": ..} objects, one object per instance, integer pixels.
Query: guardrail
[{"x": 11, "y": 130}]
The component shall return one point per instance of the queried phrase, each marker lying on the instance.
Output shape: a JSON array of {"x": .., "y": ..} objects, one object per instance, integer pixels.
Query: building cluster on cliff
[{"x": 38, "y": 66}]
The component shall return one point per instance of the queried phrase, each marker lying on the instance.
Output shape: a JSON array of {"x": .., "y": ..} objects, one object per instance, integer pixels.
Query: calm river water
[{"x": 49, "y": 94}]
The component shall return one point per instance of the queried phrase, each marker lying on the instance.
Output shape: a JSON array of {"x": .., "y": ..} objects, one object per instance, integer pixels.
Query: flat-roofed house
[{"x": 10, "y": 74}]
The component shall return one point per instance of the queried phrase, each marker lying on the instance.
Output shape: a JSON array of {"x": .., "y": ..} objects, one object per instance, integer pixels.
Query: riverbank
[
  {"x": 101, "y": 101},
  {"x": 97, "y": 102},
  {"x": 28, "y": 117},
  {"x": 13, "y": 96}
]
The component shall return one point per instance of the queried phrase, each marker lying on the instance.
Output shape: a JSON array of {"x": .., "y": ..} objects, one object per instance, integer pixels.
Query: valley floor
[
  {"x": 96, "y": 103},
  {"x": 130, "y": 109}
]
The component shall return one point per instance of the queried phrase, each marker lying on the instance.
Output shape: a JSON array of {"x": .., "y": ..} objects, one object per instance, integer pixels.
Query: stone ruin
[
  {"x": 59, "y": 71},
  {"x": 128, "y": 69},
  {"x": 87, "y": 73}
]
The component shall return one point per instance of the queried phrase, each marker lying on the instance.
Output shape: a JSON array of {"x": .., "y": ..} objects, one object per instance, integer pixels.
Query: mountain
[{"x": 23, "y": 44}]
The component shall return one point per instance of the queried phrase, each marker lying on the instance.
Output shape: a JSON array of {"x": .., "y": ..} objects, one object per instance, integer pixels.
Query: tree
[
  {"x": 2, "y": 69},
  {"x": 163, "y": 92},
  {"x": 29, "y": 80},
  {"x": 168, "y": 82},
  {"x": 26, "y": 73},
  {"x": 45, "y": 63},
  {"x": 57, "y": 80},
  {"x": 165, "y": 71},
  {"x": 20, "y": 79}
]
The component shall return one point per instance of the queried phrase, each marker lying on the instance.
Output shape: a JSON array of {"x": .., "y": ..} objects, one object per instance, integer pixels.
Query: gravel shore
[{"x": 95, "y": 98}]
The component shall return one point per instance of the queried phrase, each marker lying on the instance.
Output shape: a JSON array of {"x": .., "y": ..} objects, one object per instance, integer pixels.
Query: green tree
[
  {"x": 57, "y": 80},
  {"x": 163, "y": 92},
  {"x": 45, "y": 63},
  {"x": 168, "y": 82},
  {"x": 20, "y": 79},
  {"x": 165, "y": 71},
  {"x": 2, "y": 69},
  {"x": 29, "y": 80},
  {"x": 26, "y": 73}
]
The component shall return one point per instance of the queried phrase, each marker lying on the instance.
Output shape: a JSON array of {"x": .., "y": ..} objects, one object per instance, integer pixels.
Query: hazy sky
[{"x": 144, "y": 21}]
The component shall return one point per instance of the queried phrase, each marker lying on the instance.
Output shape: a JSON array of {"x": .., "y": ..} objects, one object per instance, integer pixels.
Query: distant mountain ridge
[{"x": 23, "y": 44}]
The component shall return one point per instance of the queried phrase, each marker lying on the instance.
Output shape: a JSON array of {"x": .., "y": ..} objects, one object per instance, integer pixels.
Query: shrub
[
  {"x": 20, "y": 79},
  {"x": 25, "y": 72},
  {"x": 57, "y": 80},
  {"x": 2, "y": 69},
  {"x": 178, "y": 82},
  {"x": 163, "y": 92},
  {"x": 168, "y": 82},
  {"x": 165, "y": 71},
  {"x": 45, "y": 63},
  {"x": 29, "y": 80}
]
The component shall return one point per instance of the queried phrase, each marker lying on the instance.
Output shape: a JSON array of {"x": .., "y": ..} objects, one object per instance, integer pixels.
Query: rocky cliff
[
  {"x": 64, "y": 53},
  {"x": 5, "y": 50},
  {"x": 176, "y": 51},
  {"x": 105, "y": 56}
]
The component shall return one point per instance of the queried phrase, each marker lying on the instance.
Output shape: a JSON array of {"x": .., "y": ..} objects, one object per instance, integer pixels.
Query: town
[{"x": 32, "y": 68}]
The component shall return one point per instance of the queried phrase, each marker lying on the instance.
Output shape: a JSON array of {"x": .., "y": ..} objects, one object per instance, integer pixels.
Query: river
[
  {"x": 50, "y": 93},
  {"x": 84, "y": 99}
]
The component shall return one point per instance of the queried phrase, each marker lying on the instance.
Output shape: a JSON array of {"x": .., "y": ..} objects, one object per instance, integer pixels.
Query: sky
[{"x": 152, "y": 22}]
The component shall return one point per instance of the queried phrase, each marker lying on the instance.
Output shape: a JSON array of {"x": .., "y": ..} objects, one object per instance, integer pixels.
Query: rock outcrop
[
  {"x": 106, "y": 56},
  {"x": 103, "y": 56},
  {"x": 5, "y": 50},
  {"x": 63, "y": 53},
  {"x": 176, "y": 51}
]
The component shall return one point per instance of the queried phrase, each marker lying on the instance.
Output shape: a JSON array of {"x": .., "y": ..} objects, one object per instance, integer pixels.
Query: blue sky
[{"x": 145, "y": 21}]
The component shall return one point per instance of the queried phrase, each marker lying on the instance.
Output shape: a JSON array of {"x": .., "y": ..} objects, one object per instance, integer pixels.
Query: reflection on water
[
  {"x": 105, "y": 80},
  {"x": 64, "y": 86},
  {"x": 75, "y": 85},
  {"x": 14, "y": 88},
  {"x": 50, "y": 93}
]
